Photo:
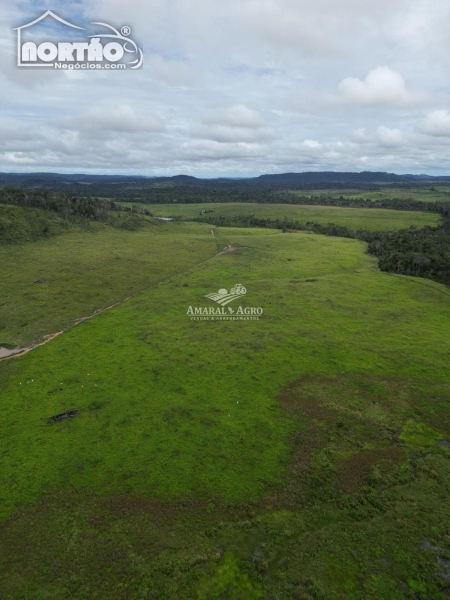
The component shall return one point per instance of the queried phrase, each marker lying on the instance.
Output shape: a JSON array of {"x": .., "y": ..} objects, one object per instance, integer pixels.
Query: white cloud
[
  {"x": 237, "y": 116},
  {"x": 226, "y": 133},
  {"x": 18, "y": 158},
  {"x": 361, "y": 136},
  {"x": 389, "y": 138},
  {"x": 287, "y": 29},
  {"x": 381, "y": 87},
  {"x": 212, "y": 150},
  {"x": 312, "y": 144},
  {"x": 436, "y": 124},
  {"x": 171, "y": 72},
  {"x": 110, "y": 119},
  {"x": 285, "y": 25},
  {"x": 384, "y": 137},
  {"x": 235, "y": 123}
]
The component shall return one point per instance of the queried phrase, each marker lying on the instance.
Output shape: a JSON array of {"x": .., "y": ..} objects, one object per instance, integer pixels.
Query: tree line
[{"x": 69, "y": 208}]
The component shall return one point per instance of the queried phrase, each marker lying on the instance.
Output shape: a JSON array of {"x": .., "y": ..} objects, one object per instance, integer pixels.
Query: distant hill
[
  {"x": 39, "y": 179},
  {"x": 331, "y": 177},
  {"x": 176, "y": 179},
  {"x": 325, "y": 177}
]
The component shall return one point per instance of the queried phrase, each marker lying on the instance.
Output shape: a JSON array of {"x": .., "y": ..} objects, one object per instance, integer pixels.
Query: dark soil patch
[
  {"x": 334, "y": 424},
  {"x": 65, "y": 415}
]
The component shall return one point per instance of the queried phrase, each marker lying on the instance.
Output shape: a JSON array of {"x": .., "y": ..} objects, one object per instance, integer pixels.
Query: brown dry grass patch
[{"x": 353, "y": 469}]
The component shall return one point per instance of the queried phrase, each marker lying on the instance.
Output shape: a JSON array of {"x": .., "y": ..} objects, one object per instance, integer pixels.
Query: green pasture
[
  {"x": 354, "y": 218},
  {"x": 422, "y": 194},
  {"x": 301, "y": 455},
  {"x": 49, "y": 284}
]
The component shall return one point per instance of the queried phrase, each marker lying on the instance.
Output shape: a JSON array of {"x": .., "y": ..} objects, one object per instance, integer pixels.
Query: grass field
[
  {"x": 49, "y": 284},
  {"x": 373, "y": 219},
  {"x": 431, "y": 194},
  {"x": 304, "y": 455}
]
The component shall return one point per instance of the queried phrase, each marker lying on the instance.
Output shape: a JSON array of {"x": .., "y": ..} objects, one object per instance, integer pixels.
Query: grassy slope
[
  {"x": 179, "y": 409},
  {"x": 373, "y": 219},
  {"x": 81, "y": 272},
  {"x": 19, "y": 225}
]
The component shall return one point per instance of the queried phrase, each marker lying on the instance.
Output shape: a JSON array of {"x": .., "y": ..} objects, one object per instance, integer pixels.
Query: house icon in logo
[{"x": 24, "y": 49}]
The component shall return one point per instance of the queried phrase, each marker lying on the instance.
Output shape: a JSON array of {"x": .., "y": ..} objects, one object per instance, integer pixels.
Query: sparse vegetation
[{"x": 29, "y": 215}]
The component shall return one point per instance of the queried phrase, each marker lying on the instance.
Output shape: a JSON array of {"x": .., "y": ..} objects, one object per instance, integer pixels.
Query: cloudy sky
[{"x": 237, "y": 88}]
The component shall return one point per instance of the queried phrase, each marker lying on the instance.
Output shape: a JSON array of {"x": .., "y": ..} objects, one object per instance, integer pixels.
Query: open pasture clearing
[
  {"x": 301, "y": 455},
  {"x": 48, "y": 284},
  {"x": 354, "y": 218},
  {"x": 439, "y": 193}
]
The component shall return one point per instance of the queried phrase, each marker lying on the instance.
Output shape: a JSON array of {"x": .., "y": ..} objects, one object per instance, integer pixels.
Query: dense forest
[
  {"x": 418, "y": 252},
  {"x": 179, "y": 189},
  {"x": 67, "y": 207}
]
